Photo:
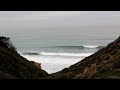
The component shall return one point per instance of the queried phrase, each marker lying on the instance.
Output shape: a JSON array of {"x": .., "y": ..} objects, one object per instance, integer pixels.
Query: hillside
[
  {"x": 14, "y": 66},
  {"x": 104, "y": 64}
]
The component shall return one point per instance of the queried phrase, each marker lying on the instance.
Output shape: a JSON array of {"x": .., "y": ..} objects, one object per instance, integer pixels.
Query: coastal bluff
[
  {"x": 14, "y": 66},
  {"x": 104, "y": 64}
]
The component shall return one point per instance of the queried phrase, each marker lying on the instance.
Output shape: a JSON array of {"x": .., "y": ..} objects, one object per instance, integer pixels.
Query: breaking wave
[
  {"x": 59, "y": 54},
  {"x": 65, "y": 54},
  {"x": 81, "y": 47}
]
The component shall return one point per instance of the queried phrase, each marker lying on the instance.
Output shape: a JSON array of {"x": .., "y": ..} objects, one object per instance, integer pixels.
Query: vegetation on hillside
[
  {"x": 7, "y": 43},
  {"x": 14, "y": 66}
]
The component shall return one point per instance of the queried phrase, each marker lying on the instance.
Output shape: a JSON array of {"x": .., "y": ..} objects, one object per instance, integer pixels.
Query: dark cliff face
[
  {"x": 104, "y": 64},
  {"x": 14, "y": 66}
]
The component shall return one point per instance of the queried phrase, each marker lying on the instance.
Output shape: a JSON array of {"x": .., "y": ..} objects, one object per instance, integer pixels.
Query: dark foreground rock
[
  {"x": 104, "y": 64},
  {"x": 14, "y": 66}
]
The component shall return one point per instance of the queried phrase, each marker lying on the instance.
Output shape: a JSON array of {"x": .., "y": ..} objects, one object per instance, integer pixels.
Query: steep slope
[
  {"x": 14, "y": 66},
  {"x": 104, "y": 64}
]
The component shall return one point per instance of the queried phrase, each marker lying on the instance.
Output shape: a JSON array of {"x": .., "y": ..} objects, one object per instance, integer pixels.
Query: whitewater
[{"x": 56, "y": 58}]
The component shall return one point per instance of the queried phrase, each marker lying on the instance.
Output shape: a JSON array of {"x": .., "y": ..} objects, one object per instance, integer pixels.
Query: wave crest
[
  {"x": 65, "y": 54},
  {"x": 81, "y": 47},
  {"x": 91, "y": 46}
]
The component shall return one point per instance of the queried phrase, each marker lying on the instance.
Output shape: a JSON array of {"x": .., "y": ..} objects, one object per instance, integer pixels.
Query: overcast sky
[
  {"x": 52, "y": 24},
  {"x": 30, "y": 19}
]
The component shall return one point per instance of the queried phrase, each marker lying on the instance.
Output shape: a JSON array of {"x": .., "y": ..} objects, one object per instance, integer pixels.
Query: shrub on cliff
[{"x": 6, "y": 42}]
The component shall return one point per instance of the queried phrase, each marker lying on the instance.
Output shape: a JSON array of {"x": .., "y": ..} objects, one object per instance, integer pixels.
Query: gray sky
[{"x": 36, "y": 19}]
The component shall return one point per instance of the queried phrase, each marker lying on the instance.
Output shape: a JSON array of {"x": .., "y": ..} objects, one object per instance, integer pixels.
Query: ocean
[
  {"x": 56, "y": 58},
  {"x": 56, "y": 50}
]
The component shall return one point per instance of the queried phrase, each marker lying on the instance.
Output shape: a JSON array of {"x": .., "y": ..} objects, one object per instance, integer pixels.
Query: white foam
[
  {"x": 56, "y": 63},
  {"x": 65, "y": 54},
  {"x": 90, "y": 46}
]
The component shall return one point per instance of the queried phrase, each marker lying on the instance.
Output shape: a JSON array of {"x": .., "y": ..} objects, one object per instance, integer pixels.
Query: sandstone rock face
[{"x": 37, "y": 64}]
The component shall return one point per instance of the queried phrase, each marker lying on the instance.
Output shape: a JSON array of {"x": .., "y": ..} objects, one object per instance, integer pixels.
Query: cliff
[
  {"x": 14, "y": 66},
  {"x": 104, "y": 64}
]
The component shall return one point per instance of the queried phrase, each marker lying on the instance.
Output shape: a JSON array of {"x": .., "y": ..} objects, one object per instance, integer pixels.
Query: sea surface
[{"x": 55, "y": 58}]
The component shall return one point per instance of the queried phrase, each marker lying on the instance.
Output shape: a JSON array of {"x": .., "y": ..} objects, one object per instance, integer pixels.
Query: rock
[
  {"x": 12, "y": 65},
  {"x": 37, "y": 64}
]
